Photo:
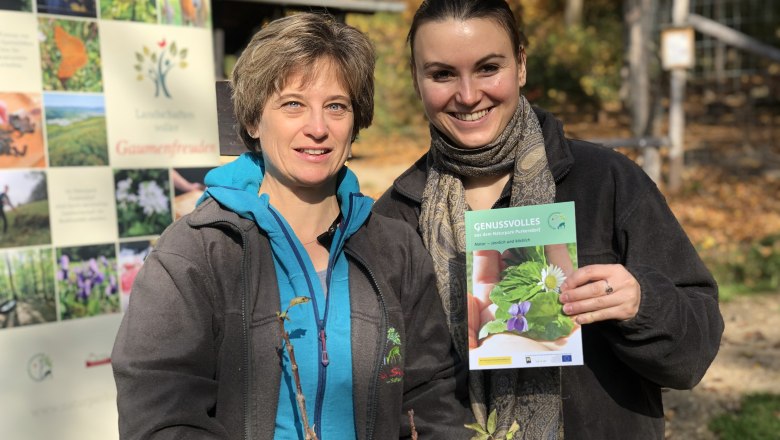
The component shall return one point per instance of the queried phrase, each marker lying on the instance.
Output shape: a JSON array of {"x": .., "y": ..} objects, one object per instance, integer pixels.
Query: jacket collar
[{"x": 559, "y": 157}]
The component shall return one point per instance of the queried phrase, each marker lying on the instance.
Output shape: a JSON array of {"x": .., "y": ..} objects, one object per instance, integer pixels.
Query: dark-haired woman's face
[{"x": 468, "y": 78}]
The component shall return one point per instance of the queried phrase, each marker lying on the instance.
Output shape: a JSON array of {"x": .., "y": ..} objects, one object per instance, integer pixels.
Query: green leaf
[
  {"x": 512, "y": 430},
  {"x": 138, "y": 67},
  {"x": 183, "y": 53},
  {"x": 491, "y": 422},
  {"x": 518, "y": 283},
  {"x": 492, "y": 327},
  {"x": 546, "y": 320},
  {"x": 298, "y": 300},
  {"x": 139, "y": 57},
  {"x": 174, "y": 49},
  {"x": 482, "y": 437},
  {"x": 476, "y": 427}
]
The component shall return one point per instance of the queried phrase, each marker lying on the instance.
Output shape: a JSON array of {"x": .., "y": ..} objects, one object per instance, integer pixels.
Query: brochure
[{"x": 517, "y": 258}]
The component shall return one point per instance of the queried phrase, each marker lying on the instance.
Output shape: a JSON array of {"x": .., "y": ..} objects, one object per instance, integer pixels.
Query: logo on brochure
[
  {"x": 557, "y": 220},
  {"x": 528, "y": 359},
  {"x": 156, "y": 64},
  {"x": 566, "y": 358},
  {"x": 39, "y": 367}
]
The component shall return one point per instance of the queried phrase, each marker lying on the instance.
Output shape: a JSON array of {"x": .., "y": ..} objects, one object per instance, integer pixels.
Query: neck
[
  {"x": 482, "y": 192},
  {"x": 309, "y": 211}
]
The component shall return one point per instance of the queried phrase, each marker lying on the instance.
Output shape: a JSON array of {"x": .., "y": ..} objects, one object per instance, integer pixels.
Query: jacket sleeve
[
  {"x": 435, "y": 381},
  {"x": 676, "y": 333},
  {"x": 164, "y": 355}
]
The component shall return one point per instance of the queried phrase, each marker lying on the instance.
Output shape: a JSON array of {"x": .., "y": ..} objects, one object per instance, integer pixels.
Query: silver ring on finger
[{"x": 608, "y": 290}]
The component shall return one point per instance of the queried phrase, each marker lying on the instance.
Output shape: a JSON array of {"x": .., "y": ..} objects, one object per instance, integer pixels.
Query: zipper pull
[{"x": 325, "y": 360}]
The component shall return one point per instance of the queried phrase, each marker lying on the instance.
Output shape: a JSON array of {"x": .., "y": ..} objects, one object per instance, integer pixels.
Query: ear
[{"x": 521, "y": 71}]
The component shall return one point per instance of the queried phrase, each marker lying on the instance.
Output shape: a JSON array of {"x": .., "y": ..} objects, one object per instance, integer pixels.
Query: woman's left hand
[{"x": 600, "y": 292}]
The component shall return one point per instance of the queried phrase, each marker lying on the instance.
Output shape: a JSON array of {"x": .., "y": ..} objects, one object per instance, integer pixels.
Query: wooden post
[
  {"x": 572, "y": 15},
  {"x": 639, "y": 19},
  {"x": 676, "y": 110}
]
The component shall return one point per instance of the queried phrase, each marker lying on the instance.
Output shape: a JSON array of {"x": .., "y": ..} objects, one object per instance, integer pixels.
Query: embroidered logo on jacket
[{"x": 392, "y": 368}]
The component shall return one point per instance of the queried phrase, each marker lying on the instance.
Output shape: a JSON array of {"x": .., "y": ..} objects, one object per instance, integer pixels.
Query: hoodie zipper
[{"x": 373, "y": 390}]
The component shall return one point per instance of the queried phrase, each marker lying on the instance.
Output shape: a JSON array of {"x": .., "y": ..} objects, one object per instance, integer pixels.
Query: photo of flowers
[
  {"x": 70, "y": 55},
  {"x": 24, "y": 209},
  {"x": 143, "y": 203},
  {"x": 87, "y": 282},
  {"x": 21, "y": 133},
  {"x": 131, "y": 257},
  {"x": 526, "y": 295},
  {"x": 26, "y": 288},
  {"x": 76, "y": 129},
  {"x": 144, "y": 11}
]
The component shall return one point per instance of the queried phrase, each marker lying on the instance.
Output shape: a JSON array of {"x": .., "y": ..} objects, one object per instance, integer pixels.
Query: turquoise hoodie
[{"x": 326, "y": 378}]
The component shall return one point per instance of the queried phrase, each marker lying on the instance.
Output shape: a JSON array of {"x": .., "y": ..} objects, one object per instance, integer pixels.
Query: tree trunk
[
  {"x": 573, "y": 13},
  {"x": 639, "y": 19}
]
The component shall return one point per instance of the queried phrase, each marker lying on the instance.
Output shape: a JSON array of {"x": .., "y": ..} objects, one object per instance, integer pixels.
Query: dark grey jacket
[
  {"x": 196, "y": 354},
  {"x": 621, "y": 218}
]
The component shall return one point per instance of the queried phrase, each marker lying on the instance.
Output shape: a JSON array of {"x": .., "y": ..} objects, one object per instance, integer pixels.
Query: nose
[
  {"x": 316, "y": 126},
  {"x": 468, "y": 92}
]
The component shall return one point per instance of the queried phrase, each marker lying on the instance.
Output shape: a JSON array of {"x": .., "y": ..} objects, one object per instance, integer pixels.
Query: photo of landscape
[
  {"x": 76, "y": 129},
  {"x": 26, "y": 287},
  {"x": 24, "y": 209}
]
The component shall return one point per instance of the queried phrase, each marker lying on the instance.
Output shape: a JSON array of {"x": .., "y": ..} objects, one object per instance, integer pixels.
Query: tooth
[{"x": 471, "y": 116}]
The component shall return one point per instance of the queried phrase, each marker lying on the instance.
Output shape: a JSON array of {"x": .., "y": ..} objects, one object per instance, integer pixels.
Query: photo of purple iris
[{"x": 518, "y": 322}]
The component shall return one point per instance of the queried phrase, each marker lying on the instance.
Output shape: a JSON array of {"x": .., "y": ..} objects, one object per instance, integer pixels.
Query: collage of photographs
[{"x": 53, "y": 132}]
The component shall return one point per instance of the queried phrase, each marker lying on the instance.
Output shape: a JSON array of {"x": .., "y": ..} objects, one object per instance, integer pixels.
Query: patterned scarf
[{"x": 530, "y": 396}]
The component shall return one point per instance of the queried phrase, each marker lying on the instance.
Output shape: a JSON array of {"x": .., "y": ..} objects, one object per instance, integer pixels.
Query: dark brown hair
[{"x": 462, "y": 10}]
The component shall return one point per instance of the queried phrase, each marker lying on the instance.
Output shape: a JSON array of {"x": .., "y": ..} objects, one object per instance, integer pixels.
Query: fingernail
[
  {"x": 567, "y": 309},
  {"x": 564, "y": 298}
]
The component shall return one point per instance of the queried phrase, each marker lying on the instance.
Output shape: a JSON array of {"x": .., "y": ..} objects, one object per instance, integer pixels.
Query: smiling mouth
[{"x": 471, "y": 116}]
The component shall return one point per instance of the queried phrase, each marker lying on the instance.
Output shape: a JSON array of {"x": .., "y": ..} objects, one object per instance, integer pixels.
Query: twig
[
  {"x": 299, "y": 397},
  {"x": 411, "y": 424}
]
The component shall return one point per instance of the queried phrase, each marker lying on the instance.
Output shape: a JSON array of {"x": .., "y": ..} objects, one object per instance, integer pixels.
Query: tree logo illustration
[{"x": 156, "y": 65}]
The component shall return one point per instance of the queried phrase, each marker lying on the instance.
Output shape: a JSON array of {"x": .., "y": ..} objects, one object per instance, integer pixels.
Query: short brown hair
[{"x": 291, "y": 45}]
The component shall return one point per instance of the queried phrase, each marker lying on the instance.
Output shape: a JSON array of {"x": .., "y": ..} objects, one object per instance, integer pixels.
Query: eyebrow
[
  {"x": 301, "y": 97},
  {"x": 440, "y": 65}
]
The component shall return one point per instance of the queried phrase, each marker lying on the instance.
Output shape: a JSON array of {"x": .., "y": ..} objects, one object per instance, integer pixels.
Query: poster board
[{"x": 107, "y": 126}]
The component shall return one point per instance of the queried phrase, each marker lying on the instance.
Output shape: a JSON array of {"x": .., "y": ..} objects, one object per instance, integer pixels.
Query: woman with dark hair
[
  {"x": 647, "y": 305},
  {"x": 200, "y": 355}
]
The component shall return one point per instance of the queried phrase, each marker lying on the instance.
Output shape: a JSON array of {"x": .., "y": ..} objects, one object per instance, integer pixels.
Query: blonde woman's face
[
  {"x": 305, "y": 132},
  {"x": 468, "y": 78}
]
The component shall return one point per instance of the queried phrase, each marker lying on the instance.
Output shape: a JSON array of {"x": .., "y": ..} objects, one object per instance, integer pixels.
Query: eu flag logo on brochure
[{"x": 566, "y": 358}]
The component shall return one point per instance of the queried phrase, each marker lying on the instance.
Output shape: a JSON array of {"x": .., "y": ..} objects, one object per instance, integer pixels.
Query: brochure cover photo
[{"x": 517, "y": 259}]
